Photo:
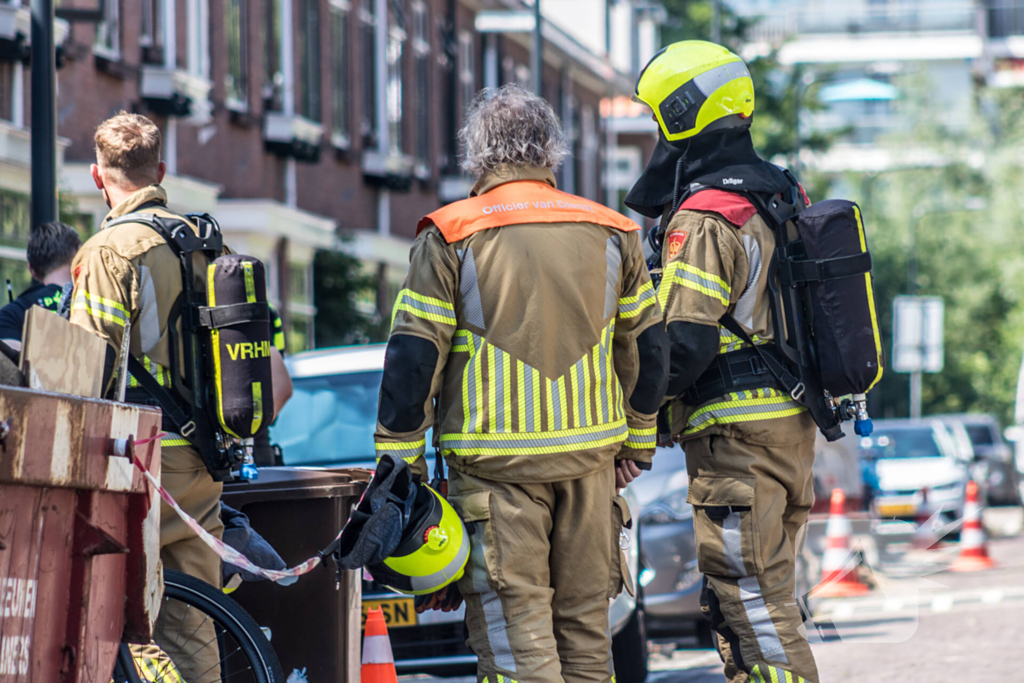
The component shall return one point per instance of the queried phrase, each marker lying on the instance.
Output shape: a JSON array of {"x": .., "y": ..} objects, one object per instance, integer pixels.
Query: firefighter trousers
[
  {"x": 185, "y": 644},
  {"x": 749, "y": 503},
  {"x": 544, "y": 562}
]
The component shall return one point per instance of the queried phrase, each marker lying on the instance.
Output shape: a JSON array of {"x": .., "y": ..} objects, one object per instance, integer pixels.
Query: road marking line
[
  {"x": 992, "y": 596},
  {"x": 942, "y": 603}
]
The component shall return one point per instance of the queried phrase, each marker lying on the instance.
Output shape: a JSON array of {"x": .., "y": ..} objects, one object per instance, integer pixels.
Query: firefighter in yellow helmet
[
  {"x": 749, "y": 446},
  {"x": 528, "y": 336}
]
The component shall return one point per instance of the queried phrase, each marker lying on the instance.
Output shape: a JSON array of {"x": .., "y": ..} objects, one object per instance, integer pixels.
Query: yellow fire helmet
[
  {"x": 433, "y": 551},
  {"x": 696, "y": 87}
]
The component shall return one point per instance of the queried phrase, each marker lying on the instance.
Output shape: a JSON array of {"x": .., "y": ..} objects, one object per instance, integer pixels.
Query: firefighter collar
[
  {"x": 147, "y": 195},
  {"x": 510, "y": 174},
  {"x": 726, "y": 161}
]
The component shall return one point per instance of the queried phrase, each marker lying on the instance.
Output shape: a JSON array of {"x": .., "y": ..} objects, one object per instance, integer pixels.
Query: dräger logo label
[
  {"x": 245, "y": 350},
  {"x": 520, "y": 206},
  {"x": 732, "y": 181},
  {"x": 17, "y": 600}
]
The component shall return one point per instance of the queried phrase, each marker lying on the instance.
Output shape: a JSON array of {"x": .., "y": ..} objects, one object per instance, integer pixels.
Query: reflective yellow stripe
[
  {"x": 257, "y": 406},
  {"x": 426, "y": 307},
  {"x": 461, "y": 342},
  {"x": 549, "y": 388},
  {"x": 642, "y": 438},
  {"x": 574, "y": 380},
  {"x": 406, "y": 450},
  {"x": 632, "y": 306},
  {"x": 536, "y": 399},
  {"x": 466, "y": 414},
  {"x": 695, "y": 279},
  {"x": 564, "y": 422},
  {"x": 99, "y": 310},
  {"x": 211, "y": 295},
  {"x": 533, "y": 443},
  {"x": 871, "y": 299},
  {"x": 480, "y": 359},
  {"x": 250, "y": 282},
  {"x": 521, "y": 393},
  {"x": 613, "y": 379},
  {"x": 174, "y": 441},
  {"x": 602, "y": 416},
  {"x": 744, "y": 406},
  {"x": 492, "y": 386},
  {"x": 588, "y": 387},
  {"x": 506, "y": 396}
]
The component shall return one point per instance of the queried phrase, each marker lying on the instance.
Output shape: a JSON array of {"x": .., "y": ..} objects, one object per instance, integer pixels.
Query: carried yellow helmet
[
  {"x": 433, "y": 551},
  {"x": 696, "y": 87}
]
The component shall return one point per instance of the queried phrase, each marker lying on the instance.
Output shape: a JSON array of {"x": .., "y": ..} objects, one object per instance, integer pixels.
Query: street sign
[
  {"x": 505, "y": 21},
  {"x": 918, "y": 334}
]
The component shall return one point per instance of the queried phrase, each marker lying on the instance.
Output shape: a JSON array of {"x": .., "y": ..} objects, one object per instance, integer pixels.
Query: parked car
[
  {"x": 909, "y": 456},
  {"x": 329, "y": 422},
  {"x": 669, "y": 577},
  {"x": 996, "y": 468}
]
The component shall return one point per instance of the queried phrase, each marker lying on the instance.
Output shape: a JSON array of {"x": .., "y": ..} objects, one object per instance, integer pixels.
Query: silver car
[
  {"x": 329, "y": 422},
  {"x": 669, "y": 577},
  {"x": 996, "y": 470}
]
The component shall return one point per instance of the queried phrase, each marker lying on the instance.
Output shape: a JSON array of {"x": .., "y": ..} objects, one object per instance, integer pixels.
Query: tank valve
[{"x": 862, "y": 421}]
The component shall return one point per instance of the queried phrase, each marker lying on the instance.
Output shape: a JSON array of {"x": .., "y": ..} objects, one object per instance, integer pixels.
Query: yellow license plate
[
  {"x": 896, "y": 510},
  {"x": 398, "y": 612}
]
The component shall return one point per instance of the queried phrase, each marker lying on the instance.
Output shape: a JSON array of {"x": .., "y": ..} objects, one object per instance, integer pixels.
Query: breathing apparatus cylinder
[{"x": 238, "y": 345}]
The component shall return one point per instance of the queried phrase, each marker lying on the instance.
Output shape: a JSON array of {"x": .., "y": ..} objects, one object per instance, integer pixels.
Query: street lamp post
[
  {"x": 538, "y": 51},
  {"x": 44, "y": 114}
]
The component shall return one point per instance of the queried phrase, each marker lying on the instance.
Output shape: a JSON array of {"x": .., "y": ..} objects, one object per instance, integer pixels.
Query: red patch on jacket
[
  {"x": 733, "y": 207},
  {"x": 675, "y": 243}
]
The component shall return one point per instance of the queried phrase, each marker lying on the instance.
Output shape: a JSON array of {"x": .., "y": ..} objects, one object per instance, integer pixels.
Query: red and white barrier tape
[{"x": 226, "y": 553}]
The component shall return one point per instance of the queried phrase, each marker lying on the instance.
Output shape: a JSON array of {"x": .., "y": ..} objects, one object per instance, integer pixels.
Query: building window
[
  {"x": 309, "y": 59},
  {"x": 396, "y": 42},
  {"x": 236, "y": 80},
  {"x": 300, "y": 283},
  {"x": 151, "y": 38},
  {"x": 198, "y": 38},
  {"x": 368, "y": 50},
  {"x": 7, "y": 90},
  {"x": 339, "y": 73},
  {"x": 421, "y": 51},
  {"x": 467, "y": 68},
  {"x": 108, "y": 31},
  {"x": 273, "y": 79}
]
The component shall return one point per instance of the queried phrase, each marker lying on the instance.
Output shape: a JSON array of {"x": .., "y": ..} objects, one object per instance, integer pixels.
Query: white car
[
  {"x": 919, "y": 469},
  {"x": 329, "y": 422}
]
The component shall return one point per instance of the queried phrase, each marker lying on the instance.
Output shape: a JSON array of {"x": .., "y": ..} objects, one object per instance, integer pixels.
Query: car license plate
[
  {"x": 896, "y": 510},
  {"x": 398, "y": 612}
]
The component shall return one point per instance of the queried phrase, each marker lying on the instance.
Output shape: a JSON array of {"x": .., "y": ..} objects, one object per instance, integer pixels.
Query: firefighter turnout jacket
[
  {"x": 128, "y": 273},
  {"x": 529, "y": 314},
  {"x": 715, "y": 260}
]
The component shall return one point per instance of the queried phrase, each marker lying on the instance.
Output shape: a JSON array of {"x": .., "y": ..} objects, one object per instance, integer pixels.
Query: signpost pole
[{"x": 915, "y": 395}]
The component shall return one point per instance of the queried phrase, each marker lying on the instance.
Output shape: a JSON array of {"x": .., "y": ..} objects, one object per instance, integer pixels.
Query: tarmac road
[{"x": 927, "y": 625}]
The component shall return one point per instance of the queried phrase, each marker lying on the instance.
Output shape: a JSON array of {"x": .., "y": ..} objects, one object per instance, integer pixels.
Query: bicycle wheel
[{"x": 203, "y": 636}]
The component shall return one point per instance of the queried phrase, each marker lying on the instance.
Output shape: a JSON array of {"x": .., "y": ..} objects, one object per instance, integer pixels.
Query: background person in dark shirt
[{"x": 51, "y": 247}]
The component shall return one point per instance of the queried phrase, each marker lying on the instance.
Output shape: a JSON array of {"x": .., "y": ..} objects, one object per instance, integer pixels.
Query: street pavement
[{"x": 920, "y": 623}]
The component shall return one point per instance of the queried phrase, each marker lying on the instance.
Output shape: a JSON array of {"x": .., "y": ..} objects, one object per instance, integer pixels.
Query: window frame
[
  {"x": 341, "y": 121},
  {"x": 111, "y": 15},
  {"x": 368, "y": 117},
  {"x": 238, "y": 102},
  {"x": 466, "y": 66},
  {"x": 422, "y": 62},
  {"x": 310, "y": 104}
]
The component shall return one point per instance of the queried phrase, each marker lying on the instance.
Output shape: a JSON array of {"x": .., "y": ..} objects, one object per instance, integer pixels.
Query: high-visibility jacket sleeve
[
  {"x": 704, "y": 268},
  {"x": 423, "y": 324},
  {"x": 105, "y": 293},
  {"x": 640, "y": 352}
]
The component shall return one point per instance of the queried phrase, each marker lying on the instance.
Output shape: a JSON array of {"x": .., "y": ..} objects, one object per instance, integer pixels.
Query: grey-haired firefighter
[
  {"x": 528, "y": 335},
  {"x": 749, "y": 446}
]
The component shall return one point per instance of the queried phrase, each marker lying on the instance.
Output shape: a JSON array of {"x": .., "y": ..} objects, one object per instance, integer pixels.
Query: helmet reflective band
[
  {"x": 433, "y": 552},
  {"x": 695, "y": 87}
]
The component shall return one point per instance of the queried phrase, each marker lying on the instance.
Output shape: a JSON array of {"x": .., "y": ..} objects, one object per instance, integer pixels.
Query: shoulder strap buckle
[
  {"x": 188, "y": 429},
  {"x": 797, "y": 392}
]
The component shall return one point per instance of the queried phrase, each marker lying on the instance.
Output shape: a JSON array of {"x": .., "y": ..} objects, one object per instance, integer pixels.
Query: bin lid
[{"x": 293, "y": 483}]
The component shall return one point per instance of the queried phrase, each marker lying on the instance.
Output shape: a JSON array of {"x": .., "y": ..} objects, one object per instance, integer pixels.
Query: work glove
[{"x": 448, "y": 599}]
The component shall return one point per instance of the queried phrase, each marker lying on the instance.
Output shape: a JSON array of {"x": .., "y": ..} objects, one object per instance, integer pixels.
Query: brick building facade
[{"x": 295, "y": 122}]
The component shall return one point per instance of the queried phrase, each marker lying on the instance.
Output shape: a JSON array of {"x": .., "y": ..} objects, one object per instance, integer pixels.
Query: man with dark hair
[{"x": 51, "y": 248}]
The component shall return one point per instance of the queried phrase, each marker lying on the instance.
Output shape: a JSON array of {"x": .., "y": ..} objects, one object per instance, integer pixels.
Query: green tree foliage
[
  {"x": 962, "y": 214},
  {"x": 779, "y": 91},
  {"x": 339, "y": 283}
]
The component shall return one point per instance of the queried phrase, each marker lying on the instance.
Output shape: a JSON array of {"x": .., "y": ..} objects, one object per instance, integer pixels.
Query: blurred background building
[{"x": 306, "y": 125}]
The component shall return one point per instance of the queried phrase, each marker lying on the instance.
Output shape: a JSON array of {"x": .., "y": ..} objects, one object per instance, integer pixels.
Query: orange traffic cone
[
  {"x": 838, "y": 580},
  {"x": 378, "y": 662},
  {"x": 973, "y": 545}
]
